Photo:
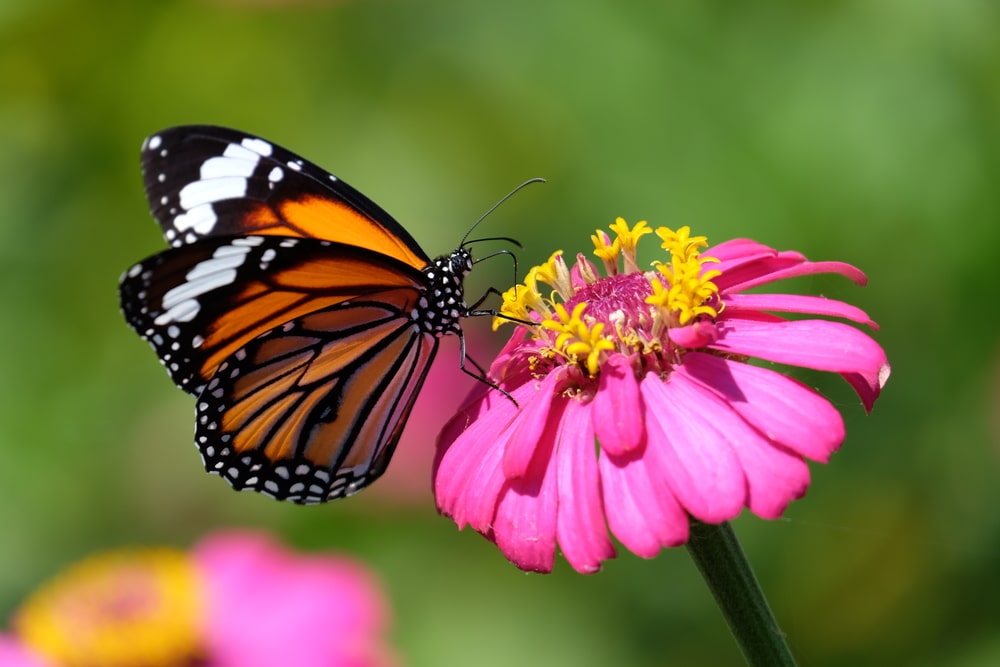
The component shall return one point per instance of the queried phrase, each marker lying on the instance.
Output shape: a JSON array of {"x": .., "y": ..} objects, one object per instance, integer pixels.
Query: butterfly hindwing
[
  {"x": 204, "y": 181},
  {"x": 198, "y": 304},
  {"x": 312, "y": 410}
]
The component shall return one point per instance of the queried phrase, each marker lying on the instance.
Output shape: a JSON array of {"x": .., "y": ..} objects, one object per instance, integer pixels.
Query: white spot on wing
[
  {"x": 185, "y": 311},
  {"x": 153, "y": 142},
  {"x": 248, "y": 241},
  {"x": 180, "y": 303},
  {"x": 221, "y": 167},
  {"x": 189, "y": 290},
  {"x": 258, "y": 146},
  {"x": 200, "y": 218},
  {"x": 276, "y": 174},
  {"x": 213, "y": 190},
  {"x": 219, "y": 263}
]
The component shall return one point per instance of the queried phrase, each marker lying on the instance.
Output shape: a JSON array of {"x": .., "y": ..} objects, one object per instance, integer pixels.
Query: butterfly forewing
[
  {"x": 198, "y": 304},
  {"x": 205, "y": 181},
  {"x": 312, "y": 410}
]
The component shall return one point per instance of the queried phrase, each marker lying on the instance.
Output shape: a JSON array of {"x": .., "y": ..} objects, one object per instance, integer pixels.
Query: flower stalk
[{"x": 725, "y": 568}]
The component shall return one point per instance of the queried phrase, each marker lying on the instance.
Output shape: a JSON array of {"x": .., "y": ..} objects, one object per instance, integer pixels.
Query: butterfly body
[{"x": 301, "y": 316}]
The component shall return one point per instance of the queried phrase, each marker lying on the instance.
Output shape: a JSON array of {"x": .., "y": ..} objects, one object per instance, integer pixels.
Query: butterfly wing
[
  {"x": 302, "y": 316},
  {"x": 204, "y": 181},
  {"x": 312, "y": 410},
  {"x": 198, "y": 304}
]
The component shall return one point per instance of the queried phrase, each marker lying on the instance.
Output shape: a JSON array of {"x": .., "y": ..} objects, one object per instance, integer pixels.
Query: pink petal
[
  {"x": 780, "y": 408},
  {"x": 748, "y": 263},
  {"x": 782, "y": 268},
  {"x": 819, "y": 344},
  {"x": 525, "y": 524},
  {"x": 617, "y": 407},
  {"x": 868, "y": 384},
  {"x": 503, "y": 370},
  {"x": 736, "y": 253},
  {"x": 688, "y": 454},
  {"x": 468, "y": 473},
  {"x": 795, "y": 303},
  {"x": 642, "y": 516},
  {"x": 745, "y": 263},
  {"x": 580, "y": 524},
  {"x": 694, "y": 336},
  {"x": 774, "y": 476},
  {"x": 739, "y": 250},
  {"x": 527, "y": 427}
]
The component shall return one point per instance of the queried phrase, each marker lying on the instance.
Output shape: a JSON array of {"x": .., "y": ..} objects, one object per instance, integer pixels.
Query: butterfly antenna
[{"x": 494, "y": 207}]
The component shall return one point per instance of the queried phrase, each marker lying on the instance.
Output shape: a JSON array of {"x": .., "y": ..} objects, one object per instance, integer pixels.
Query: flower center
[
  {"x": 614, "y": 296},
  {"x": 588, "y": 317},
  {"x": 127, "y": 607}
]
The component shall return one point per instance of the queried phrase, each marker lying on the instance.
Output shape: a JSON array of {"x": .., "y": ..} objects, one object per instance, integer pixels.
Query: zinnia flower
[
  {"x": 237, "y": 599},
  {"x": 636, "y": 405}
]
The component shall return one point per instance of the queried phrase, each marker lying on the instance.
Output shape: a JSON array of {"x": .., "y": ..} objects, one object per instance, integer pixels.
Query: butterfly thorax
[{"x": 442, "y": 305}]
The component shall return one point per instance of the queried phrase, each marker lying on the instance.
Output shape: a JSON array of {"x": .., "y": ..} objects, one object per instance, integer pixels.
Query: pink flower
[
  {"x": 653, "y": 367},
  {"x": 237, "y": 599},
  {"x": 266, "y": 605}
]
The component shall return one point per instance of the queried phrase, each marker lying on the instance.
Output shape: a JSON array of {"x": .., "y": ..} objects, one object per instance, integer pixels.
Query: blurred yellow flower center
[
  {"x": 119, "y": 609},
  {"x": 586, "y": 316}
]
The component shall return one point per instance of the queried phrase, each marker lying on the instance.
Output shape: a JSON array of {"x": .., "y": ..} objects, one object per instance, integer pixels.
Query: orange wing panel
[{"x": 335, "y": 220}]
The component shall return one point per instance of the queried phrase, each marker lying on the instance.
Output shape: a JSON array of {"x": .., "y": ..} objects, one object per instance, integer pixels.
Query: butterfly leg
[{"x": 481, "y": 375}]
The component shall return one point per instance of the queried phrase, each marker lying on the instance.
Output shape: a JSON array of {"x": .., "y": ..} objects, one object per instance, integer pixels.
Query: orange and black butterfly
[{"x": 299, "y": 313}]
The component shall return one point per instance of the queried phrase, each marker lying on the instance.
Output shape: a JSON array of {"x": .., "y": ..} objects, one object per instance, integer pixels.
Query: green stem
[{"x": 722, "y": 563}]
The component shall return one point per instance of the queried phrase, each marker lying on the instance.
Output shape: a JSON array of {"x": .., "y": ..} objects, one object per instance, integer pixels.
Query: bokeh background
[{"x": 866, "y": 131}]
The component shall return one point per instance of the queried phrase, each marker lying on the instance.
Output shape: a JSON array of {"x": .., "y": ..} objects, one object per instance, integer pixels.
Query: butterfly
[{"x": 301, "y": 316}]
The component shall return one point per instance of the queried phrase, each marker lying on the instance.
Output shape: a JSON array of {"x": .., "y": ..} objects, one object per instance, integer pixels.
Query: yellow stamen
[
  {"x": 681, "y": 243},
  {"x": 690, "y": 287},
  {"x": 555, "y": 273},
  {"x": 576, "y": 339},
  {"x": 607, "y": 250},
  {"x": 629, "y": 240},
  {"x": 519, "y": 301}
]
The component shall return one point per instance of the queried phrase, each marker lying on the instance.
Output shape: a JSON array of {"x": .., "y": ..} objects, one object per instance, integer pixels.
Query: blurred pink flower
[
  {"x": 266, "y": 606},
  {"x": 13, "y": 653},
  {"x": 653, "y": 367},
  {"x": 236, "y": 599}
]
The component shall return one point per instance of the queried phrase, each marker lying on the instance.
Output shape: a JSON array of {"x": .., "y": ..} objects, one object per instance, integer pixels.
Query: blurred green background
[{"x": 865, "y": 131}]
